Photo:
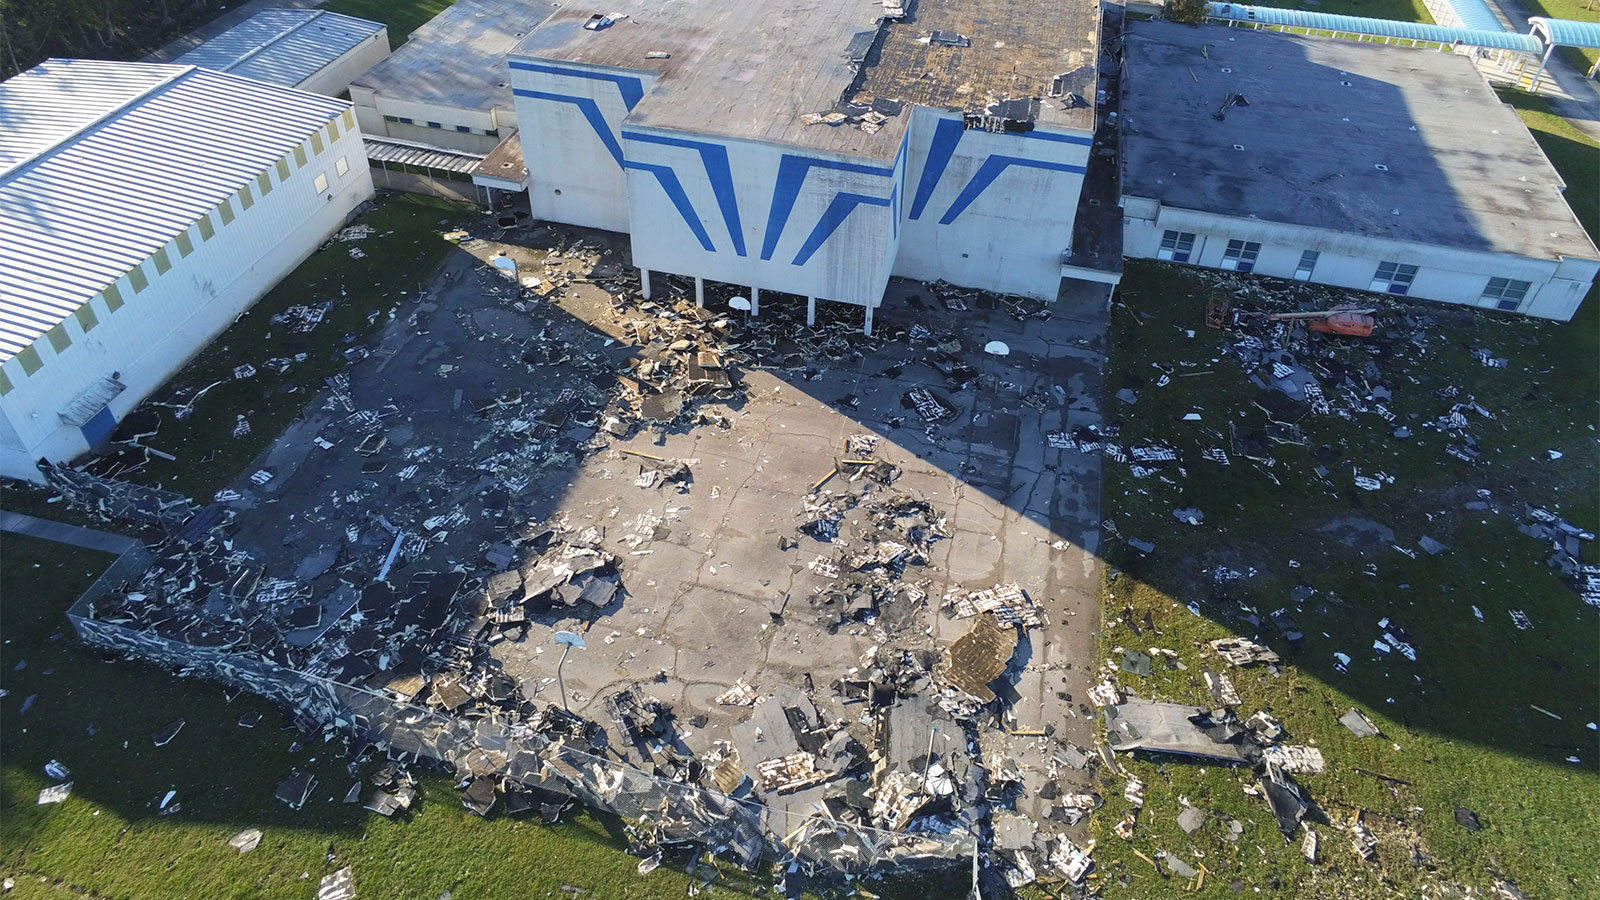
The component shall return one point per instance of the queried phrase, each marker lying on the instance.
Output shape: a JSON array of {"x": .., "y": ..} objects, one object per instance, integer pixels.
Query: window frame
[
  {"x": 1182, "y": 245},
  {"x": 1512, "y": 291},
  {"x": 320, "y": 182},
  {"x": 1302, "y": 270},
  {"x": 1397, "y": 280},
  {"x": 1241, "y": 255}
]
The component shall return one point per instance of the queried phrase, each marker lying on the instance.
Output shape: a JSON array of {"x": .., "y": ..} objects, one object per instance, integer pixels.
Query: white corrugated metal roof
[
  {"x": 282, "y": 46},
  {"x": 112, "y": 161},
  {"x": 391, "y": 150}
]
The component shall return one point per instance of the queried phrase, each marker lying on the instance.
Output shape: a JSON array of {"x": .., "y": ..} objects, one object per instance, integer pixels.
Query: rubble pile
[{"x": 110, "y": 500}]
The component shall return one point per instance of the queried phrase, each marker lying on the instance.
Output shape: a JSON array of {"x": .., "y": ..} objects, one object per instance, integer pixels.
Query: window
[
  {"x": 316, "y": 143},
  {"x": 185, "y": 245},
  {"x": 492, "y": 132},
  {"x": 163, "y": 264},
  {"x": 87, "y": 320},
  {"x": 299, "y": 157},
  {"x": 264, "y": 182},
  {"x": 225, "y": 212},
  {"x": 1506, "y": 293},
  {"x": 320, "y": 183},
  {"x": 1241, "y": 255},
  {"x": 391, "y": 118},
  {"x": 333, "y": 131},
  {"x": 406, "y": 121},
  {"x": 246, "y": 200},
  {"x": 434, "y": 125},
  {"x": 5, "y": 383},
  {"x": 113, "y": 297},
  {"x": 1308, "y": 264},
  {"x": 283, "y": 170},
  {"x": 349, "y": 120},
  {"x": 59, "y": 339},
  {"x": 1176, "y": 246},
  {"x": 463, "y": 129},
  {"x": 206, "y": 229},
  {"x": 341, "y": 166},
  {"x": 137, "y": 279},
  {"x": 1393, "y": 278}
]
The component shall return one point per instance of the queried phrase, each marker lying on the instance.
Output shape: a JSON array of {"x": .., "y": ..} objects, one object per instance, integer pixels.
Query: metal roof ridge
[
  {"x": 282, "y": 35},
  {"x": 33, "y": 159}
]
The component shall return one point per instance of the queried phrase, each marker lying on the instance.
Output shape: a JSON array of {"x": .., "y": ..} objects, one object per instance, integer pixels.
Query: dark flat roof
[
  {"x": 1380, "y": 141},
  {"x": 755, "y": 70}
]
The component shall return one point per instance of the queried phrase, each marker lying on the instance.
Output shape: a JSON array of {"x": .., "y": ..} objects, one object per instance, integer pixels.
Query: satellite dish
[
  {"x": 740, "y": 303},
  {"x": 507, "y": 266},
  {"x": 570, "y": 639}
]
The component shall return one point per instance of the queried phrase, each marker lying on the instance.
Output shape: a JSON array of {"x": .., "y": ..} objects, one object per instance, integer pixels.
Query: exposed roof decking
[
  {"x": 753, "y": 72},
  {"x": 282, "y": 46},
  {"x": 109, "y": 191},
  {"x": 1018, "y": 48},
  {"x": 1458, "y": 167}
]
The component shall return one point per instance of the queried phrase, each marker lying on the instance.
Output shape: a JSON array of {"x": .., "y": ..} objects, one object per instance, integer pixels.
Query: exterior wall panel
[{"x": 151, "y": 335}]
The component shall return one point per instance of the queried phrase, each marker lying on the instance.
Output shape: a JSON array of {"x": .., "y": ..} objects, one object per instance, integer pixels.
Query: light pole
[{"x": 567, "y": 640}]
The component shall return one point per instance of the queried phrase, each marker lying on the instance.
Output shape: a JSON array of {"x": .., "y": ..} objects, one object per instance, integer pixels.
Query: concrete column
[
  {"x": 811, "y": 310},
  {"x": 867, "y": 328},
  {"x": 755, "y": 301},
  {"x": 700, "y": 293},
  {"x": 644, "y": 283}
]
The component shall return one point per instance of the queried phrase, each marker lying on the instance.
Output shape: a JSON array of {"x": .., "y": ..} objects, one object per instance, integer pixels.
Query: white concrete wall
[
  {"x": 1010, "y": 236},
  {"x": 372, "y": 108},
  {"x": 813, "y": 224},
  {"x": 334, "y": 78},
  {"x": 153, "y": 332},
  {"x": 575, "y": 171},
  {"x": 1444, "y": 274}
]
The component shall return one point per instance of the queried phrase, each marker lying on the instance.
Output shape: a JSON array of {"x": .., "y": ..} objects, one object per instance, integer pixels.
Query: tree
[{"x": 1189, "y": 12}]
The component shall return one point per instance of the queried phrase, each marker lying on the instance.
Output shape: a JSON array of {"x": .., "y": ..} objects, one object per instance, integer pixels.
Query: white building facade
[
  {"x": 95, "y": 313},
  {"x": 1546, "y": 288}
]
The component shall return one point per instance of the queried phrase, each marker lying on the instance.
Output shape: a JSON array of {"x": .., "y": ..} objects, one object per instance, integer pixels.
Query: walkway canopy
[
  {"x": 1566, "y": 32},
  {"x": 1389, "y": 28}
]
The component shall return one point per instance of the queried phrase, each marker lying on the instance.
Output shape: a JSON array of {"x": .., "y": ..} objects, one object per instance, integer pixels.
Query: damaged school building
[{"x": 823, "y": 666}]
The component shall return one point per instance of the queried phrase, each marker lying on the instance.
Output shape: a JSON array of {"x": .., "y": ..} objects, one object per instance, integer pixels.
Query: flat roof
[
  {"x": 1363, "y": 138},
  {"x": 282, "y": 46},
  {"x": 766, "y": 71},
  {"x": 104, "y": 163},
  {"x": 457, "y": 58}
]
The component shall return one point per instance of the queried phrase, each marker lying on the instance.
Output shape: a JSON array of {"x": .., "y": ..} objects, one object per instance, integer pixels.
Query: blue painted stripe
[
  {"x": 792, "y": 171},
  {"x": 841, "y": 207},
  {"x": 1058, "y": 138},
  {"x": 674, "y": 188},
  {"x": 590, "y": 110},
  {"x": 631, "y": 88},
  {"x": 988, "y": 172},
  {"x": 946, "y": 135},
  {"x": 715, "y": 159}
]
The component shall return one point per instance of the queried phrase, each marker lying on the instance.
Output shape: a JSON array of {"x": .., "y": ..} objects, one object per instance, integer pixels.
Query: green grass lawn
[
  {"x": 402, "y": 16},
  {"x": 1460, "y": 722},
  {"x": 403, "y": 254}
]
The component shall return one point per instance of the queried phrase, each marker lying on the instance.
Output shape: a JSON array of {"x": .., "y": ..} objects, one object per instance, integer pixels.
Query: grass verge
[{"x": 402, "y": 16}]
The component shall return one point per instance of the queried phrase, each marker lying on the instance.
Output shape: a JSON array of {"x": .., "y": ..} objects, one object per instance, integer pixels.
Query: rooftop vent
[{"x": 1380, "y": 167}]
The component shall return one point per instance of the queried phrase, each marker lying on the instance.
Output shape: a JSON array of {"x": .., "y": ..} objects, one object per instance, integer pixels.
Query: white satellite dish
[
  {"x": 571, "y": 639},
  {"x": 507, "y": 266},
  {"x": 740, "y": 303}
]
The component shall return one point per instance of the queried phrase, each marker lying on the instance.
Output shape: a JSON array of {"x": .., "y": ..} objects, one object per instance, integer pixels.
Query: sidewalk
[
  {"x": 1578, "y": 98},
  {"x": 45, "y": 529}
]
